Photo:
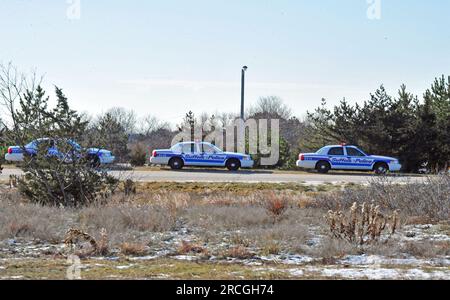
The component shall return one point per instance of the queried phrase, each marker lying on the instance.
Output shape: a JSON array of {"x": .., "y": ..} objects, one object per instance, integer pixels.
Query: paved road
[{"x": 199, "y": 175}]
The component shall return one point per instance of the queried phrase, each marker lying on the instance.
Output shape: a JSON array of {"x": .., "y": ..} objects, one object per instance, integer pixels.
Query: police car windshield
[{"x": 74, "y": 145}]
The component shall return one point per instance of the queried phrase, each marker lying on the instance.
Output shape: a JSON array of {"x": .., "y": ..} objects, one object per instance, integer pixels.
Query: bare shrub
[
  {"x": 276, "y": 206},
  {"x": 361, "y": 226},
  {"x": 138, "y": 154},
  {"x": 429, "y": 200}
]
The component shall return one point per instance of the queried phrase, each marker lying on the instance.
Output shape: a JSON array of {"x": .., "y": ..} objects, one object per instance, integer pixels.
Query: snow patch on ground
[
  {"x": 186, "y": 257},
  {"x": 379, "y": 260},
  {"x": 287, "y": 259},
  {"x": 371, "y": 273},
  {"x": 124, "y": 267},
  {"x": 361, "y": 273}
]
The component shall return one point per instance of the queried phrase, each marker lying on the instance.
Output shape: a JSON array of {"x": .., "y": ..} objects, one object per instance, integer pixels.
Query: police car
[
  {"x": 200, "y": 154},
  {"x": 95, "y": 155},
  {"x": 343, "y": 157}
]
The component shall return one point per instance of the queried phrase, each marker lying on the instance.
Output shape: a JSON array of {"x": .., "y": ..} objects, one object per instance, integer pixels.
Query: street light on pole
[{"x": 244, "y": 69}]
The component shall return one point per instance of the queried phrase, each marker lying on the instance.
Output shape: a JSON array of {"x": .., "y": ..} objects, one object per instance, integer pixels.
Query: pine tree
[
  {"x": 319, "y": 129},
  {"x": 66, "y": 122},
  {"x": 108, "y": 133},
  {"x": 32, "y": 120}
]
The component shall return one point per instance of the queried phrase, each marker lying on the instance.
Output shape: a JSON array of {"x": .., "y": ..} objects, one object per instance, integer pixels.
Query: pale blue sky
[{"x": 168, "y": 57}]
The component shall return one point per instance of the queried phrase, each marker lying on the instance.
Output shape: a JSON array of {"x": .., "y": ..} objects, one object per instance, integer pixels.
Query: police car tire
[
  {"x": 323, "y": 167},
  {"x": 233, "y": 164},
  {"x": 381, "y": 168},
  {"x": 94, "y": 161},
  {"x": 176, "y": 163}
]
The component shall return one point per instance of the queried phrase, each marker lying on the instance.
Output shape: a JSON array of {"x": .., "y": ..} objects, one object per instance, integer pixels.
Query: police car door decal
[
  {"x": 190, "y": 154},
  {"x": 338, "y": 159},
  {"x": 211, "y": 157},
  {"x": 358, "y": 160}
]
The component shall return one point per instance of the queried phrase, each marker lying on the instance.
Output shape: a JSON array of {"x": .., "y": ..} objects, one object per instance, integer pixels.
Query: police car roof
[
  {"x": 188, "y": 143},
  {"x": 334, "y": 146}
]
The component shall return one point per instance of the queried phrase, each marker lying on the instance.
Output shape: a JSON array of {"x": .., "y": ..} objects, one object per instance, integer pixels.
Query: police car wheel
[
  {"x": 381, "y": 168},
  {"x": 323, "y": 167},
  {"x": 94, "y": 161},
  {"x": 233, "y": 165},
  {"x": 176, "y": 163}
]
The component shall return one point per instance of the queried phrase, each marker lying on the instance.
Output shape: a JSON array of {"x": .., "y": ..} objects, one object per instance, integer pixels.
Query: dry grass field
[{"x": 234, "y": 231}]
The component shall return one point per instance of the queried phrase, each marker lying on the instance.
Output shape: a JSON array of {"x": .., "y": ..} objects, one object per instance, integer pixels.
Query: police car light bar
[{"x": 343, "y": 144}]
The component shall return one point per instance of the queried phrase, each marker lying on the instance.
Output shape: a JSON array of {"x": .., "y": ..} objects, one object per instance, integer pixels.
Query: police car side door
[
  {"x": 359, "y": 160},
  {"x": 190, "y": 154},
  {"x": 337, "y": 158},
  {"x": 212, "y": 157}
]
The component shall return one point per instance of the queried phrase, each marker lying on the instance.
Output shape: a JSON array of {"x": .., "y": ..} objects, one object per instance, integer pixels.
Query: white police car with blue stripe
[
  {"x": 343, "y": 157},
  {"x": 200, "y": 154}
]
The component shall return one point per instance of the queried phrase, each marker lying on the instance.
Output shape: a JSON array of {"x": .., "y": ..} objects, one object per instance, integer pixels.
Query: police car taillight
[
  {"x": 9, "y": 150},
  {"x": 154, "y": 154},
  {"x": 301, "y": 157}
]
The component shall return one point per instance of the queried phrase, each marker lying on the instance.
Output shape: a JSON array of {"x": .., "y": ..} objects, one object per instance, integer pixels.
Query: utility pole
[{"x": 244, "y": 69}]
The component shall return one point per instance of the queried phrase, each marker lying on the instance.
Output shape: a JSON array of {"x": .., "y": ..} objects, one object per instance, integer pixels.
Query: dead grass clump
[
  {"x": 212, "y": 217},
  {"x": 129, "y": 187},
  {"x": 27, "y": 220},
  {"x": 124, "y": 222},
  {"x": 239, "y": 240},
  {"x": 426, "y": 249},
  {"x": 305, "y": 202},
  {"x": 271, "y": 248},
  {"x": 239, "y": 252},
  {"x": 18, "y": 228},
  {"x": 187, "y": 247},
  {"x": 288, "y": 234},
  {"x": 361, "y": 226},
  {"x": 133, "y": 249},
  {"x": 331, "y": 248},
  {"x": 103, "y": 243}
]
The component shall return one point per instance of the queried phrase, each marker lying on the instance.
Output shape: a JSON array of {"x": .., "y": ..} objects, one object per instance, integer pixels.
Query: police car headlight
[{"x": 248, "y": 157}]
